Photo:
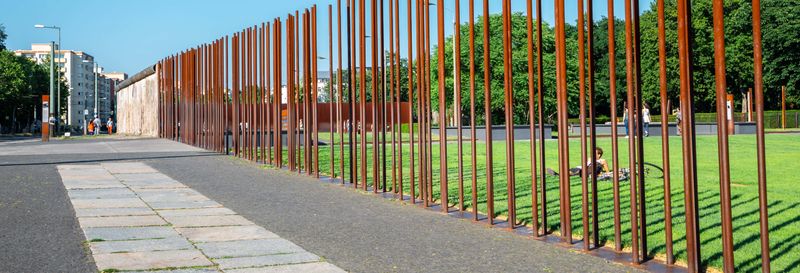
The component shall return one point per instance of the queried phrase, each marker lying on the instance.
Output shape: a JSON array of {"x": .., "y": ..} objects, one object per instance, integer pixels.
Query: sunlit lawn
[{"x": 783, "y": 161}]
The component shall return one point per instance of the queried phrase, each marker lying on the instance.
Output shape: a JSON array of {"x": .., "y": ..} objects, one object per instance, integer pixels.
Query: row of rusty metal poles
[{"x": 193, "y": 102}]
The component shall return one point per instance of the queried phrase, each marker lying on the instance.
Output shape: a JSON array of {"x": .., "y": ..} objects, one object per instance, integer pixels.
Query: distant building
[
  {"x": 77, "y": 70},
  {"x": 323, "y": 80}
]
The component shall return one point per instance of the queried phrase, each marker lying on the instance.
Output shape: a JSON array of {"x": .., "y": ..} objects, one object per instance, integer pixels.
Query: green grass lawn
[{"x": 783, "y": 162}]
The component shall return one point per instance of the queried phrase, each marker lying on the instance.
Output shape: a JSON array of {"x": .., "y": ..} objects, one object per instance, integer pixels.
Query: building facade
[{"x": 81, "y": 75}]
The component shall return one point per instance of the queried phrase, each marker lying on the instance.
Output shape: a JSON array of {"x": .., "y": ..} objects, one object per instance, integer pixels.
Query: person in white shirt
[
  {"x": 97, "y": 124},
  {"x": 646, "y": 120}
]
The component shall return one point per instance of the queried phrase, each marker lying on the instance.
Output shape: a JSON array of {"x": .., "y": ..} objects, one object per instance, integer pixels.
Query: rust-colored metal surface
[
  {"x": 758, "y": 86},
  {"x": 257, "y": 94},
  {"x": 662, "y": 69}
]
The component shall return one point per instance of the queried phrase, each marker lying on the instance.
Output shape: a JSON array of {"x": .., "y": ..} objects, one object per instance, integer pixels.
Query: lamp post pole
[
  {"x": 57, "y": 104},
  {"x": 52, "y": 79},
  {"x": 96, "y": 67}
]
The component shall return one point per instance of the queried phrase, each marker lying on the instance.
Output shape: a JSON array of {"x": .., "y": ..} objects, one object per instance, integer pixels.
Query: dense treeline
[{"x": 781, "y": 48}]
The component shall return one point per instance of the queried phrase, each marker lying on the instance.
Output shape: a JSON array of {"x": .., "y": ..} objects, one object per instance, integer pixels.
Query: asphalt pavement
[{"x": 356, "y": 231}]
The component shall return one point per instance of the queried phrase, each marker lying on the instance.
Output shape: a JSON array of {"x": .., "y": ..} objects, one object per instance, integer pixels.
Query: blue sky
[{"x": 127, "y": 36}]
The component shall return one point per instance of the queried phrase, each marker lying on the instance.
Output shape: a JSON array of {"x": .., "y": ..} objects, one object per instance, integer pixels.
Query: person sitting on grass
[{"x": 600, "y": 166}]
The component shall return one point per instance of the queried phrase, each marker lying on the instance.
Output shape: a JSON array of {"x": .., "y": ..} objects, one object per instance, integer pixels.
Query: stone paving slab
[
  {"x": 185, "y": 204},
  {"x": 110, "y": 193},
  {"x": 232, "y": 233},
  {"x": 248, "y": 248},
  {"x": 143, "y": 177},
  {"x": 95, "y": 212},
  {"x": 208, "y": 221},
  {"x": 121, "y": 221},
  {"x": 129, "y": 233},
  {"x": 189, "y": 270},
  {"x": 195, "y": 212},
  {"x": 141, "y": 220},
  {"x": 321, "y": 267},
  {"x": 268, "y": 260},
  {"x": 151, "y": 260},
  {"x": 168, "y": 243},
  {"x": 108, "y": 203},
  {"x": 127, "y": 167},
  {"x": 180, "y": 194},
  {"x": 72, "y": 184}
]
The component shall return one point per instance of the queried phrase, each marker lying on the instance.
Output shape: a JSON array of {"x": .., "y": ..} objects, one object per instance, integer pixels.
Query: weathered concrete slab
[
  {"x": 195, "y": 212},
  {"x": 208, "y": 221},
  {"x": 168, "y": 243},
  {"x": 137, "y": 177},
  {"x": 127, "y": 167},
  {"x": 185, "y": 204},
  {"x": 268, "y": 260},
  {"x": 248, "y": 248},
  {"x": 180, "y": 194},
  {"x": 121, "y": 221},
  {"x": 97, "y": 212},
  {"x": 141, "y": 220},
  {"x": 110, "y": 193},
  {"x": 72, "y": 184},
  {"x": 148, "y": 180},
  {"x": 129, "y": 233},
  {"x": 78, "y": 166},
  {"x": 231, "y": 233},
  {"x": 108, "y": 203},
  {"x": 321, "y": 267},
  {"x": 151, "y": 260},
  {"x": 188, "y": 270}
]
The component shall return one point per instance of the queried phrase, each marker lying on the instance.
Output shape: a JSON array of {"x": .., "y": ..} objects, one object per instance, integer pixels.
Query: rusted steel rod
[
  {"x": 374, "y": 96},
  {"x": 398, "y": 99},
  {"x": 473, "y": 145},
  {"x": 687, "y": 137},
  {"x": 633, "y": 116},
  {"x": 758, "y": 85},
  {"x": 392, "y": 91},
  {"x": 457, "y": 102},
  {"x": 508, "y": 87},
  {"x": 563, "y": 134},
  {"x": 640, "y": 132},
  {"x": 532, "y": 81},
  {"x": 592, "y": 131},
  {"x": 662, "y": 65},
  {"x": 382, "y": 107},
  {"x": 540, "y": 116},
  {"x": 612, "y": 69},
  {"x": 351, "y": 100},
  {"x": 410, "y": 38},
  {"x": 722, "y": 137},
  {"x": 363, "y": 94},
  {"x": 339, "y": 89},
  {"x": 582, "y": 119},
  {"x": 487, "y": 95},
  {"x": 442, "y": 110}
]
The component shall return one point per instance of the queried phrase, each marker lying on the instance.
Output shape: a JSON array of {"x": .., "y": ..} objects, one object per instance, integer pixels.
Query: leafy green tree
[
  {"x": 22, "y": 83},
  {"x": 3, "y": 37}
]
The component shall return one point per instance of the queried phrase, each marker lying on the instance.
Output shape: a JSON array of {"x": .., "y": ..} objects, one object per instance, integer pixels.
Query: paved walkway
[
  {"x": 136, "y": 218},
  {"x": 40, "y": 230}
]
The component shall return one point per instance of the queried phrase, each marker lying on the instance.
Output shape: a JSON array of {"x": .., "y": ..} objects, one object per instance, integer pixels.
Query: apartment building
[{"x": 78, "y": 69}]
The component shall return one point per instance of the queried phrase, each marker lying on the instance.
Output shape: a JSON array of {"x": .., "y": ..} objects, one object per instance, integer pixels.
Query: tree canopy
[{"x": 781, "y": 48}]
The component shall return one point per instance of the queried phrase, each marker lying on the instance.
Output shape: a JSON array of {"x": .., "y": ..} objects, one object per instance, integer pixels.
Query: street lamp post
[
  {"x": 58, "y": 85},
  {"x": 96, "y": 67}
]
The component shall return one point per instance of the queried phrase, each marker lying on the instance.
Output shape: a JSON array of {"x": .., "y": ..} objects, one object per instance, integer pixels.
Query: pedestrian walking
[
  {"x": 678, "y": 120},
  {"x": 110, "y": 125},
  {"x": 625, "y": 119},
  {"x": 97, "y": 124},
  {"x": 646, "y": 120}
]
